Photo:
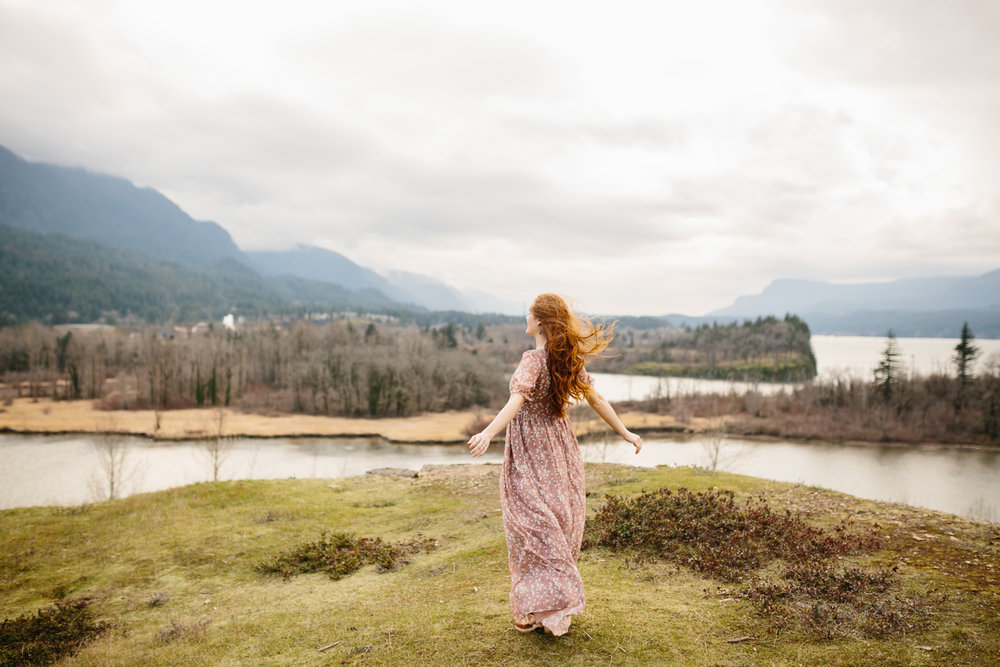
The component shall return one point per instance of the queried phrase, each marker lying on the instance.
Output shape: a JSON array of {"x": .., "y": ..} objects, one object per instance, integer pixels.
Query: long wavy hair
[{"x": 570, "y": 340}]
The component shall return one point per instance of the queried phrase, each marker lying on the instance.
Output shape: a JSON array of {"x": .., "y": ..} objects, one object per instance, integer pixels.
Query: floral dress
[{"x": 543, "y": 499}]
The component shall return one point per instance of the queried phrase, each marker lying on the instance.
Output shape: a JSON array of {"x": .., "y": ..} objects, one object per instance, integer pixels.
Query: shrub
[
  {"x": 710, "y": 532},
  {"x": 825, "y": 601},
  {"x": 49, "y": 634},
  {"x": 340, "y": 555}
]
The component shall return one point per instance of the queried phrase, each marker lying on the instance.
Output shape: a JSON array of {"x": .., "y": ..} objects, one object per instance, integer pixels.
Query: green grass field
[{"x": 173, "y": 575}]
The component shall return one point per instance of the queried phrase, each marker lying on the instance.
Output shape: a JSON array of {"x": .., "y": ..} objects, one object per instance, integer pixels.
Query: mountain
[
  {"x": 313, "y": 263},
  {"x": 927, "y": 307},
  {"x": 54, "y": 279},
  {"x": 908, "y": 294},
  {"x": 81, "y": 204},
  {"x": 428, "y": 292},
  {"x": 484, "y": 302}
]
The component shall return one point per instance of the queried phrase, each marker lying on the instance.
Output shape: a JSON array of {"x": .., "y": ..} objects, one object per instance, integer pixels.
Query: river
[
  {"x": 836, "y": 356},
  {"x": 44, "y": 470},
  {"x": 36, "y": 470}
]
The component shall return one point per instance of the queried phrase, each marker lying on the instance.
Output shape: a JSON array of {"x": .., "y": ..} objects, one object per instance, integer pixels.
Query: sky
[{"x": 641, "y": 157}]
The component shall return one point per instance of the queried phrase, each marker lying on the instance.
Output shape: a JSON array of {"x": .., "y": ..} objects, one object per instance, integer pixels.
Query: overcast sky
[{"x": 642, "y": 157}]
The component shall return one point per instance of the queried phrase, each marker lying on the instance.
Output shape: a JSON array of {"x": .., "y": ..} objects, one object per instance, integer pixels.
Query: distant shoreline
[{"x": 47, "y": 417}]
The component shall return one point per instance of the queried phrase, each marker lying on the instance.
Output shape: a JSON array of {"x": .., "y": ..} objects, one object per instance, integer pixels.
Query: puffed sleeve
[
  {"x": 526, "y": 375},
  {"x": 585, "y": 378}
]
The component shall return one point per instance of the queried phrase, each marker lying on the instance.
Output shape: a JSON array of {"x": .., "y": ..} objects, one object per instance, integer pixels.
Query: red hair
[{"x": 569, "y": 341}]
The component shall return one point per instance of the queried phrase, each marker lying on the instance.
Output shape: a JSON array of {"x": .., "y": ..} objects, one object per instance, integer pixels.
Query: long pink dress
[{"x": 543, "y": 499}]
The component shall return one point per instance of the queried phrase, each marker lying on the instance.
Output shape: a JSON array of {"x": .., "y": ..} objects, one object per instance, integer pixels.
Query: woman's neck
[{"x": 540, "y": 341}]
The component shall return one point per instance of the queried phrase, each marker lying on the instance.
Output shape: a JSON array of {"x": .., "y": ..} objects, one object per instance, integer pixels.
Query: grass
[{"x": 172, "y": 578}]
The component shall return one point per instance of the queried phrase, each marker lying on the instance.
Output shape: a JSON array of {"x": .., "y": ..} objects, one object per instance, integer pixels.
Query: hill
[
  {"x": 929, "y": 307},
  {"x": 56, "y": 279},
  {"x": 178, "y": 577},
  {"x": 81, "y": 204},
  {"x": 910, "y": 294}
]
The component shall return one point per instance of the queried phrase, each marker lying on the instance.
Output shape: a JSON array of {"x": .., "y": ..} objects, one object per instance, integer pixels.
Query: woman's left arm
[
  {"x": 479, "y": 443},
  {"x": 608, "y": 414}
]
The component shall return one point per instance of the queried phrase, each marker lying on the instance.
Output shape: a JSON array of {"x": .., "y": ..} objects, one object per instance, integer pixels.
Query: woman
[{"x": 542, "y": 492}]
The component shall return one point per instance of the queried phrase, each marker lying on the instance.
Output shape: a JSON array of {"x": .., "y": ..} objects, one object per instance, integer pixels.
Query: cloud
[
  {"x": 900, "y": 43},
  {"x": 669, "y": 161}
]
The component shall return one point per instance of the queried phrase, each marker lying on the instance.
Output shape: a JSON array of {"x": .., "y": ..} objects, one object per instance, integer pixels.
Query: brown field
[{"x": 45, "y": 416}]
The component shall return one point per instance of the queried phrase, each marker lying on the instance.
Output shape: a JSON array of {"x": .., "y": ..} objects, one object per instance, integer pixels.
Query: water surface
[{"x": 43, "y": 470}]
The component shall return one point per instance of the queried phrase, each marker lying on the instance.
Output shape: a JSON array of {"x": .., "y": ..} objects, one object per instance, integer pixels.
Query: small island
[{"x": 767, "y": 349}]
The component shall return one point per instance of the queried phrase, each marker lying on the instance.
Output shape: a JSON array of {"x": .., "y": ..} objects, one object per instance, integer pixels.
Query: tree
[
  {"x": 888, "y": 370},
  {"x": 965, "y": 358}
]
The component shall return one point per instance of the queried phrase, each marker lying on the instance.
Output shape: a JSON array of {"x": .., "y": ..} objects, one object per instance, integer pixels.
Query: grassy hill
[{"x": 173, "y": 577}]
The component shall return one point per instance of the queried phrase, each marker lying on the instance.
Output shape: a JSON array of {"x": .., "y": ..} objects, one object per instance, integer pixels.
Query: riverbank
[
  {"x": 45, "y": 416},
  {"x": 172, "y": 578}
]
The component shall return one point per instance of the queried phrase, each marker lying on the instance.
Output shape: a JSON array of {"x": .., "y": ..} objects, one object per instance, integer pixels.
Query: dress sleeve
[
  {"x": 585, "y": 378},
  {"x": 526, "y": 376}
]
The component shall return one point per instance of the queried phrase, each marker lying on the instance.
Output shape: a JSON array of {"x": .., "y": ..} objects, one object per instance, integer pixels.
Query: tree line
[
  {"x": 960, "y": 406},
  {"x": 343, "y": 368},
  {"x": 767, "y": 348}
]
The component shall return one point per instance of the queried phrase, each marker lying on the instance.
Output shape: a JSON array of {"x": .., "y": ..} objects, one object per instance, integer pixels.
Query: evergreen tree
[
  {"x": 212, "y": 390},
  {"x": 199, "y": 388},
  {"x": 888, "y": 370},
  {"x": 965, "y": 358}
]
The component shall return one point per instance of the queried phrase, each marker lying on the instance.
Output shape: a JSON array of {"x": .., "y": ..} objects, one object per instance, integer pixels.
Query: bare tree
[
  {"x": 114, "y": 469},
  {"x": 712, "y": 443},
  {"x": 214, "y": 444}
]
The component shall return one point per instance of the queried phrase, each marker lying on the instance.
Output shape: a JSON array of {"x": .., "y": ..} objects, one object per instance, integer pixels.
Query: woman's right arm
[
  {"x": 608, "y": 414},
  {"x": 479, "y": 443}
]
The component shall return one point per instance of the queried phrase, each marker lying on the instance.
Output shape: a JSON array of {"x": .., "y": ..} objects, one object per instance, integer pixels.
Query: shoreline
[{"x": 44, "y": 416}]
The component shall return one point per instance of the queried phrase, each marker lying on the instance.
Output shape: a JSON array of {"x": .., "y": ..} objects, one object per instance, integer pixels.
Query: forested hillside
[
  {"x": 81, "y": 204},
  {"x": 52, "y": 278}
]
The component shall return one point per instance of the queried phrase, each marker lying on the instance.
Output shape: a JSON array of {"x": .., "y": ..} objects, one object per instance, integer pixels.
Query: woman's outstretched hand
[
  {"x": 479, "y": 443},
  {"x": 634, "y": 439}
]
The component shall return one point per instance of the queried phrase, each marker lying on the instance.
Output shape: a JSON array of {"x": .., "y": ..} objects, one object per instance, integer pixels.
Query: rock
[{"x": 393, "y": 472}]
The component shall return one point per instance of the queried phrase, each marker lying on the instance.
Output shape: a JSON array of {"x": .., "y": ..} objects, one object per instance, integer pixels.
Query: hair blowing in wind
[{"x": 569, "y": 341}]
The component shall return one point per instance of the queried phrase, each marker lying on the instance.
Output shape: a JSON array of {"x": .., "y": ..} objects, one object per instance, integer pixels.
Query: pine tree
[
  {"x": 212, "y": 389},
  {"x": 965, "y": 358},
  {"x": 888, "y": 370},
  {"x": 199, "y": 388}
]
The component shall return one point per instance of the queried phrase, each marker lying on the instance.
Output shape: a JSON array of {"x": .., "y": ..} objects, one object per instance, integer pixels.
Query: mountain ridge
[
  {"x": 904, "y": 294},
  {"x": 83, "y": 204}
]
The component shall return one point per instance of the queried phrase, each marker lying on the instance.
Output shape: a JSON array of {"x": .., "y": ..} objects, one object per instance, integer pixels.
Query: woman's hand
[
  {"x": 479, "y": 443},
  {"x": 634, "y": 439}
]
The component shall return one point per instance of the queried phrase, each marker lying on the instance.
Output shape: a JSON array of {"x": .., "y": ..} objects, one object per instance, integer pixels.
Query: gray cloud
[{"x": 498, "y": 159}]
